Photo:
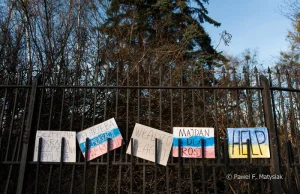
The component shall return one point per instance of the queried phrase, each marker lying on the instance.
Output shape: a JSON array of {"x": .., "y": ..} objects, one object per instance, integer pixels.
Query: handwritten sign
[
  {"x": 237, "y": 142},
  {"x": 98, "y": 135},
  {"x": 144, "y": 144},
  {"x": 190, "y": 142},
  {"x": 51, "y": 146}
]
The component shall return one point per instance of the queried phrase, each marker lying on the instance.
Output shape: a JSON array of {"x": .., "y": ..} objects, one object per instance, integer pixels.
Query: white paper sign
[
  {"x": 51, "y": 146},
  {"x": 144, "y": 144}
]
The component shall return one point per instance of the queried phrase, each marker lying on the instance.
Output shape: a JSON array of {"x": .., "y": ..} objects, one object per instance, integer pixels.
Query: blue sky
[{"x": 254, "y": 24}]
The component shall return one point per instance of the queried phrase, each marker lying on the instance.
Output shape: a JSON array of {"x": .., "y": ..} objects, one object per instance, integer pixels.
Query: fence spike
[
  {"x": 244, "y": 69},
  {"x": 269, "y": 70},
  {"x": 286, "y": 72},
  {"x": 233, "y": 70},
  {"x": 277, "y": 71},
  {"x": 223, "y": 69}
]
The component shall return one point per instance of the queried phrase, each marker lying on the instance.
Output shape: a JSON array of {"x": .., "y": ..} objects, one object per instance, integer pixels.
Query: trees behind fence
[{"x": 160, "y": 98}]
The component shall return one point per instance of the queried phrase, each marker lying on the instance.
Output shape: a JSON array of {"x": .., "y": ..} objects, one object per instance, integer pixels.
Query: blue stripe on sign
[
  {"x": 100, "y": 139},
  {"x": 194, "y": 141}
]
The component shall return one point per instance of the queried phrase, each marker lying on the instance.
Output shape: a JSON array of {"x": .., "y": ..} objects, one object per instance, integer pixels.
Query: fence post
[
  {"x": 26, "y": 136},
  {"x": 274, "y": 160}
]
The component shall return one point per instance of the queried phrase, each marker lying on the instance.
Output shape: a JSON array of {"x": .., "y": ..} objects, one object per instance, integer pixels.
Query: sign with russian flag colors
[
  {"x": 144, "y": 144},
  {"x": 190, "y": 138},
  {"x": 98, "y": 135},
  {"x": 258, "y": 141}
]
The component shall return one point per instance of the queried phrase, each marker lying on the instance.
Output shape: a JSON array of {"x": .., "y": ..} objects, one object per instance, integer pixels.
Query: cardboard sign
[
  {"x": 98, "y": 136},
  {"x": 190, "y": 142},
  {"x": 237, "y": 142},
  {"x": 144, "y": 144},
  {"x": 51, "y": 146}
]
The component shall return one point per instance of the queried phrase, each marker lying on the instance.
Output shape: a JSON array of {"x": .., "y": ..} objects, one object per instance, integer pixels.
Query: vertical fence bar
[
  {"x": 226, "y": 165},
  {"x": 10, "y": 168},
  {"x": 22, "y": 126},
  {"x": 131, "y": 165},
  {"x": 86, "y": 158},
  {"x": 12, "y": 121},
  {"x": 26, "y": 136},
  {"x": 61, "y": 163},
  {"x": 149, "y": 122},
  {"x": 121, "y": 150},
  {"x": 294, "y": 130},
  {"x": 0, "y": 152},
  {"x": 258, "y": 99},
  {"x": 274, "y": 160},
  {"x": 274, "y": 115},
  {"x": 120, "y": 168},
  {"x": 216, "y": 132},
  {"x": 171, "y": 125},
  {"x": 225, "y": 140},
  {"x": 291, "y": 160},
  {"x": 38, "y": 165},
  {"x": 94, "y": 118},
  {"x": 3, "y": 107},
  {"x": 237, "y": 95},
  {"x": 203, "y": 165},
  {"x": 288, "y": 163},
  {"x": 284, "y": 122},
  {"x": 155, "y": 166},
  {"x": 160, "y": 125},
  {"x": 179, "y": 166},
  {"x": 127, "y": 111},
  {"x": 249, "y": 166},
  {"x": 182, "y": 160},
  {"x": 204, "y": 97},
  {"x": 107, "y": 166},
  {"x": 71, "y": 128},
  {"x": 194, "y": 125},
  {"x": 49, "y": 128}
]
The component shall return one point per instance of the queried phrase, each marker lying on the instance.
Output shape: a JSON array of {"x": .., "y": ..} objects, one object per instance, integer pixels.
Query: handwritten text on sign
[
  {"x": 98, "y": 136},
  {"x": 237, "y": 142},
  {"x": 190, "y": 142},
  {"x": 144, "y": 144},
  {"x": 51, "y": 146}
]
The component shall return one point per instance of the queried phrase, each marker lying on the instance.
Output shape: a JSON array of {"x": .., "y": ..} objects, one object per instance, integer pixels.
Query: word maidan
[{"x": 189, "y": 142}]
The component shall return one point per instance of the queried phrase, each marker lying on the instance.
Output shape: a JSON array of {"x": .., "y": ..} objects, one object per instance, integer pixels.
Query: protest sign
[
  {"x": 237, "y": 142},
  {"x": 144, "y": 144},
  {"x": 190, "y": 142},
  {"x": 51, "y": 146},
  {"x": 98, "y": 136}
]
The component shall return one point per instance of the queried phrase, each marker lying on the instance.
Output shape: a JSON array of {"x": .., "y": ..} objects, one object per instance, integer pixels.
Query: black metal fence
[{"x": 161, "y": 98}]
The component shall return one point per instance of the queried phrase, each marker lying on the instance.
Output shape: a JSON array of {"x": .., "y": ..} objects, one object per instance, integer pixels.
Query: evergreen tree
[{"x": 159, "y": 32}]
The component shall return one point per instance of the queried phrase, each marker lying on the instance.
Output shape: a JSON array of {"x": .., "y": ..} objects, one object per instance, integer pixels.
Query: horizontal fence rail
[{"x": 161, "y": 98}]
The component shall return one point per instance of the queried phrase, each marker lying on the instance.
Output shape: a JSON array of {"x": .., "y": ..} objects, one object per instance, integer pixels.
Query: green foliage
[{"x": 148, "y": 24}]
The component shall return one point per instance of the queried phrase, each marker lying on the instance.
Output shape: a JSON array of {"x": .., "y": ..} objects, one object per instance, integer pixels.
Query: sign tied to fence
[
  {"x": 51, "y": 146},
  {"x": 190, "y": 139},
  {"x": 97, "y": 138},
  {"x": 144, "y": 144},
  {"x": 237, "y": 142}
]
